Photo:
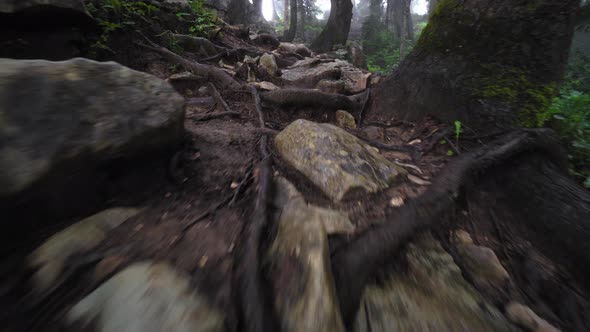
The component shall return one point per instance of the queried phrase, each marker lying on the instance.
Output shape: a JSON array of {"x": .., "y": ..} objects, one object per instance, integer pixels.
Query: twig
[
  {"x": 241, "y": 185},
  {"x": 216, "y": 116}
]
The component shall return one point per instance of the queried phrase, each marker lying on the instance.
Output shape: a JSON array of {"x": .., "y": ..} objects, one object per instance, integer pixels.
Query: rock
[
  {"x": 197, "y": 45},
  {"x": 523, "y": 316},
  {"x": 147, "y": 297},
  {"x": 64, "y": 22},
  {"x": 461, "y": 237},
  {"x": 264, "y": 85},
  {"x": 268, "y": 63},
  {"x": 76, "y": 114},
  {"x": 483, "y": 265},
  {"x": 310, "y": 73},
  {"x": 430, "y": 296},
  {"x": 345, "y": 120},
  {"x": 48, "y": 260},
  {"x": 333, "y": 159},
  {"x": 299, "y": 260},
  {"x": 295, "y": 48},
  {"x": 331, "y": 86},
  {"x": 355, "y": 80}
]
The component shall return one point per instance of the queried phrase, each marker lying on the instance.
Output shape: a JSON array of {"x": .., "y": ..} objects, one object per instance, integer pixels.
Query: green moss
[
  {"x": 513, "y": 87},
  {"x": 445, "y": 15}
]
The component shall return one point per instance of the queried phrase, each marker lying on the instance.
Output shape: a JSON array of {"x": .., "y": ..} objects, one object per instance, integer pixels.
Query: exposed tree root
[
  {"x": 254, "y": 305},
  {"x": 219, "y": 99},
  {"x": 222, "y": 79},
  {"x": 217, "y": 115},
  {"x": 197, "y": 44},
  {"x": 311, "y": 98},
  {"x": 266, "y": 39},
  {"x": 356, "y": 263}
]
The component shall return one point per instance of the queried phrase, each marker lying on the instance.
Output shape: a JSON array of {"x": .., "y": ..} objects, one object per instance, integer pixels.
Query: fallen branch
[
  {"x": 221, "y": 78},
  {"x": 310, "y": 98},
  {"x": 356, "y": 263}
]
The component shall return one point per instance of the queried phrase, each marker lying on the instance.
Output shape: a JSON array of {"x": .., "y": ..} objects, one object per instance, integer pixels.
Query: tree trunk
[
  {"x": 337, "y": 28},
  {"x": 257, "y": 4},
  {"x": 408, "y": 20},
  {"x": 290, "y": 34},
  {"x": 431, "y": 5},
  {"x": 301, "y": 21},
  {"x": 286, "y": 16},
  {"x": 485, "y": 63},
  {"x": 236, "y": 12}
]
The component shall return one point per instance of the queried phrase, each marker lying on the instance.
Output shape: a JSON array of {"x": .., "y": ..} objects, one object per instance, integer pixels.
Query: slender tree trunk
[
  {"x": 408, "y": 20},
  {"x": 338, "y": 26},
  {"x": 488, "y": 64},
  {"x": 301, "y": 20},
  {"x": 286, "y": 16},
  {"x": 290, "y": 34}
]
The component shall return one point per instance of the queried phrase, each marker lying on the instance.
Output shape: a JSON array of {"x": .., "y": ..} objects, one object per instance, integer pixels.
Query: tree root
[
  {"x": 357, "y": 262},
  {"x": 310, "y": 98},
  {"x": 222, "y": 79},
  {"x": 217, "y": 115},
  {"x": 254, "y": 305},
  {"x": 219, "y": 99}
]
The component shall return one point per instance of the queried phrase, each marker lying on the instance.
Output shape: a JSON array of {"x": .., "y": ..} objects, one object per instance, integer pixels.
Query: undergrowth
[{"x": 569, "y": 116}]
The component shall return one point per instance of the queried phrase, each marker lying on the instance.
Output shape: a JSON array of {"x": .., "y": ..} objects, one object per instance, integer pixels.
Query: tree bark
[
  {"x": 301, "y": 20},
  {"x": 431, "y": 6},
  {"x": 485, "y": 63},
  {"x": 337, "y": 28},
  {"x": 286, "y": 16},
  {"x": 290, "y": 34},
  {"x": 237, "y": 12}
]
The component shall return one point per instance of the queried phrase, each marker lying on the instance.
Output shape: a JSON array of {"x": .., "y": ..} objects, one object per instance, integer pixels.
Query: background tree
[
  {"x": 337, "y": 28},
  {"x": 301, "y": 11},
  {"x": 290, "y": 33}
]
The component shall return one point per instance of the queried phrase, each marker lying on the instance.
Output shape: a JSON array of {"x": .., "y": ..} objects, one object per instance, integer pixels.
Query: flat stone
[
  {"x": 355, "y": 80},
  {"x": 48, "y": 260},
  {"x": 430, "y": 296},
  {"x": 523, "y": 316},
  {"x": 300, "y": 270},
  {"x": 147, "y": 297},
  {"x": 264, "y": 85},
  {"x": 334, "y": 160},
  {"x": 345, "y": 120}
]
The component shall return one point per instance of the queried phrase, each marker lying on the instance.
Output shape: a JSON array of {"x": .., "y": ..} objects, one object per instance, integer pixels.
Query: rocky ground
[{"x": 136, "y": 194}]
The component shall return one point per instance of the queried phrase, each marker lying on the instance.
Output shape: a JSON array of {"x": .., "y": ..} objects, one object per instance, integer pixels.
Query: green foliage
[
  {"x": 458, "y": 130},
  {"x": 381, "y": 48},
  {"x": 202, "y": 20},
  {"x": 569, "y": 116}
]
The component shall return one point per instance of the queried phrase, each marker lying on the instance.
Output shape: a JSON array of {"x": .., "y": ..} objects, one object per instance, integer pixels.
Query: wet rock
[
  {"x": 48, "y": 260},
  {"x": 267, "y": 86},
  {"x": 355, "y": 80},
  {"x": 75, "y": 114},
  {"x": 268, "y": 63},
  {"x": 523, "y": 316},
  {"x": 331, "y": 86},
  {"x": 333, "y": 159},
  {"x": 430, "y": 296},
  {"x": 345, "y": 120},
  {"x": 483, "y": 265},
  {"x": 146, "y": 297},
  {"x": 295, "y": 48},
  {"x": 64, "y": 24},
  {"x": 299, "y": 260}
]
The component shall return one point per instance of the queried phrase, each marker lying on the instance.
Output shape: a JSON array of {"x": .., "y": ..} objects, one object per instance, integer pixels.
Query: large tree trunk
[
  {"x": 485, "y": 63},
  {"x": 431, "y": 5},
  {"x": 401, "y": 19},
  {"x": 301, "y": 20},
  {"x": 237, "y": 12},
  {"x": 290, "y": 34},
  {"x": 337, "y": 28}
]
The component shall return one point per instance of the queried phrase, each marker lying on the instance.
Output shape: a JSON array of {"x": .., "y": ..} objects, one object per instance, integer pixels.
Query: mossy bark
[{"x": 482, "y": 62}]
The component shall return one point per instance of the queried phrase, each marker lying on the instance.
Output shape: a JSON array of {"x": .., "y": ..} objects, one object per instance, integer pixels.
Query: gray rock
[
  {"x": 483, "y": 266},
  {"x": 523, "y": 316},
  {"x": 331, "y": 86},
  {"x": 147, "y": 297},
  {"x": 300, "y": 49},
  {"x": 333, "y": 159},
  {"x": 431, "y": 296},
  {"x": 66, "y": 113},
  {"x": 299, "y": 261},
  {"x": 267, "y": 61},
  {"x": 345, "y": 120},
  {"x": 355, "y": 80},
  {"x": 48, "y": 260}
]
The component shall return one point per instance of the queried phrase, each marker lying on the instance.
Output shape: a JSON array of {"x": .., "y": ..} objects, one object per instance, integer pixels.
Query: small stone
[
  {"x": 461, "y": 237},
  {"x": 203, "y": 261},
  {"x": 264, "y": 86},
  {"x": 523, "y": 316},
  {"x": 234, "y": 185},
  {"x": 268, "y": 62},
  {"x": 203, "y": 90},
  {"x": 397, "y": 201},
  {"x": 415, "y": 141},
  {"x": 345, "y": 120},
  {"x": 107, "y": 266},
  {"x": 483, "y": 264}
]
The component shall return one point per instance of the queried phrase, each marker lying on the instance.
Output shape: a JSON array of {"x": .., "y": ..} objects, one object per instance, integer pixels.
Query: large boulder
[
  {"x": 57, "y": 117},
  {"x": 334, "y": 160},
  {"x": 146, "y": 297},
  {"x": 429, "y": 295},
  {"x": 299, "y": 260},
  {"x": 64, "y": 23}
]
